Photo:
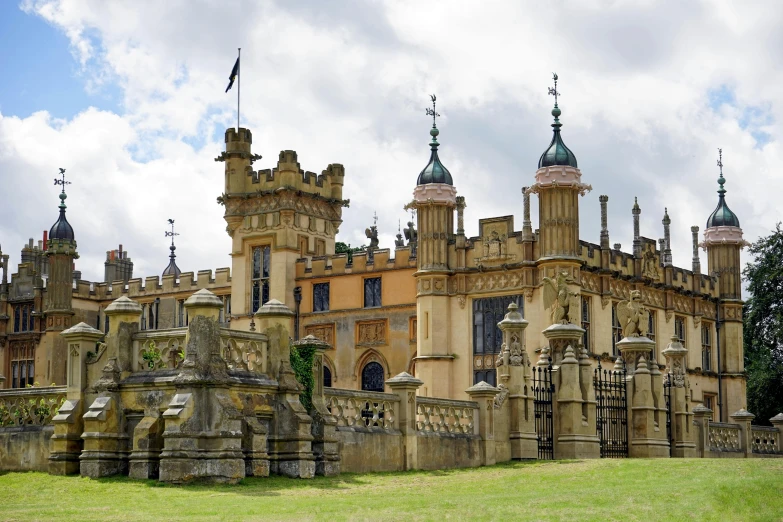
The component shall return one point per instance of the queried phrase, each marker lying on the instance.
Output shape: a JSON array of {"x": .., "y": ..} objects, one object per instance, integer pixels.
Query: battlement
[
  {"x": 289, "y": 174},
  {"x": 154, "y": 286},
  {"x": 243, "y": 136},
  {"x": 362, "y": 262}
]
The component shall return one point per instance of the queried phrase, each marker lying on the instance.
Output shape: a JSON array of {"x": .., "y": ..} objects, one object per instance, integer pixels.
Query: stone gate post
[
  {"x": 575, "y": 406},
  {"x": 66, "y": 442},
  {"x": 404, "y": 385},
  {"x": 701, "y": 420},
  {"x": 683, "y": 438},
  {"x": 744, "y": 418},
  {"x": 515, "y": 380},
  {"x": 484, "y": 394}
]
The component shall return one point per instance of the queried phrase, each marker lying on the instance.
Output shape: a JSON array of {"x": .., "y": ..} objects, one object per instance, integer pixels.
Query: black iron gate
[
  {"x": 667, "y": 395},
  {"x": 543, "y": 392},
  {"x": 612, "y": 411}
]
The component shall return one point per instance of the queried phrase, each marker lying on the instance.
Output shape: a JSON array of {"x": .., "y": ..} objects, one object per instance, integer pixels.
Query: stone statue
[
  {"x": 517, "y": 356},
  {"x": 372, "y": 235},
  {"x": 634, "y": 317},
  {"x": 565, "y": 305},
  {"x": 399, "y": 242},
  {"x": 410, "y": 233},
  {"x": 649, "y": 266}
]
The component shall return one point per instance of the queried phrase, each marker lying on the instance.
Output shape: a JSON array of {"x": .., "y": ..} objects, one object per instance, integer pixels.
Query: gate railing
[
  {"x": 543, "y": 393},
  {"x": 612, "y": 411}
]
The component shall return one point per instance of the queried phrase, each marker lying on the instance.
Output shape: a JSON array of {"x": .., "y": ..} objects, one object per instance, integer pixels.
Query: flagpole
[{"x": 239, "y": 82}]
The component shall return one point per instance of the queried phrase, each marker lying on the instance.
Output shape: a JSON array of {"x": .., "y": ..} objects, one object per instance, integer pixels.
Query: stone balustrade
[
  {"x": 724, "y": 437},
  {"x": 363, "y": 409},
  {"x": 446, "y": 416},
  {"x": 30, "y": 406},
  {"x": 247, "y": 351},
  {"x": 765, "y": 439}
]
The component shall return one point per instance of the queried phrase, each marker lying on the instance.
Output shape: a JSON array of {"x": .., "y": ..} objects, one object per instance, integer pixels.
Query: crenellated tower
[
  {"x": 274, "y": 217},
  {"x": 558, "y": 185},
  {"x": 434, "y": 199},
  {"x": 723, "y": 242},
  {"x": 58, "y": 313}
]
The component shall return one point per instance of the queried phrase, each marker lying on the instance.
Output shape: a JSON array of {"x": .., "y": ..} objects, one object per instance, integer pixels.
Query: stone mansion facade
[{"x": 429, "y": 307}]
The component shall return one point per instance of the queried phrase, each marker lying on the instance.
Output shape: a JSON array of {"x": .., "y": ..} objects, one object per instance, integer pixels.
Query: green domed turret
[
  {"x": 557, "y": 153},
  {"x": 434, "y": 172},
  {"x": 722, "y": 216}
]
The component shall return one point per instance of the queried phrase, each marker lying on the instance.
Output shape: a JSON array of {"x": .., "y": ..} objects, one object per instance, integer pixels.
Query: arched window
[
  {"x": 372, "y": 377},
  {"x": 327, "y": 377}
]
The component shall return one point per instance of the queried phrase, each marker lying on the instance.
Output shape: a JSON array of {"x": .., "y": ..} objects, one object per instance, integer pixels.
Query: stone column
[
  {"x": 701, "y": 419},
  {"x": 291, "y": 439},
  {"x": 515, "y": 380},
  {"x": 124, "y": 315},
  {"x": 744, "y": 418},
  {"x": 404, "y": 386},
  {"x": 696, "y": 264},
  {"x": 203, "y": 429},
  {"x": 647, "y": 436},
  {"x": 65, "y": 446},
  {"x": 527, "y": 226},
  {"x": 575, "y": 406},
  {"x": 637, "y": 242},
  {"x": 484, "y": 394},
  {"x": 324, "y": 428},
  {"x": 683, "y": 436}
]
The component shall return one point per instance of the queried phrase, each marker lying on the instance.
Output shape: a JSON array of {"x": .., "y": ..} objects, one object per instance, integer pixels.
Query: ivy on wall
[{"x": 302, "y": 364}]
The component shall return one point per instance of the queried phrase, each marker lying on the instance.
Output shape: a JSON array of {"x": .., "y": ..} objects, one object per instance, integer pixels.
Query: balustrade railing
[
  {"x": 445, "y": 416},
  {"x": 764, "y": 439},
  {"x": 362, "y": 409},
  {"x": 724, "y": 437},
  {"x": 30, "y": 406},
  {"x": 244, "y": 350}
]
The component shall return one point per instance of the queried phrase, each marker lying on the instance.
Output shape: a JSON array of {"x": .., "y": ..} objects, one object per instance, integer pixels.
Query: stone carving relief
[
  {"x": 563, "y": 303},
  {"x": 371, "y": 333},
  {"x": 324, "y": 332},
  {"x": 650, "y": 266},
  {"x": 494, "y": 241},
  {"x": 634, "y": 317},
  {"x": 502, "y": 280},
  {"x": 590, "y": 282}
]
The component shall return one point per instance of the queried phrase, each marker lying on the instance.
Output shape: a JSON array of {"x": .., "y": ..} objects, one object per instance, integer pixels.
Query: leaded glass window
[
  {"x": 586, "y": 319},
  {"x": 372, "y": 292},
  {"x": 487, "y": 337},
  {"x": 321, "y": 297},
  {"x": 260, "y": 277},
  {"x": 617, "y": 329},
  {"x": 328, "y": 377},
  {"x": 17, "y": 318},
  {"x": 679, "y": 328},
  {"x": 706, "y": 347},
  {"x": 372, "y": 377},
  {"x": 22, "y": 365}
]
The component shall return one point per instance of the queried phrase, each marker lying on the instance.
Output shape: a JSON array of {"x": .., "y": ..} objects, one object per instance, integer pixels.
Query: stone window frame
[
  {"x": 376, "y": 299},
  {"x": 21, "y": 356},
  {"x": 260, "y": 271},
  {"x": 706, "y": 346},
  {"x": 587, "y": 317},
  {"x": 224, "y": 316},
  {"x": 321, "y": 303},
  {"x": 182, "y": 314},
  {"x": 652, "y": 325},
  {"x": 709, "y": 400},
  {"x": 682, "y": 334},
  {"x": 24, "y": 321},
  {"x": 616, "y": 329}
]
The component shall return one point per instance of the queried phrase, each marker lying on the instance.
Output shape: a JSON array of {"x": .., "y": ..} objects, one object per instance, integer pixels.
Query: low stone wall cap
[
  {"x": 311, "y": 340},
  {"x": 777, "y": 418},
  {"x": 82, "y": 329},
  {"x": 203, "y": 298},
  {"x": 404, "y": 378},
  {"x": 701, "y": 409},
  {"x": 274, "y": 307},
  {"x": 483, "y": 386},
  {"x": 123, "y": 305},
  {"x": 742, "y": 414}
]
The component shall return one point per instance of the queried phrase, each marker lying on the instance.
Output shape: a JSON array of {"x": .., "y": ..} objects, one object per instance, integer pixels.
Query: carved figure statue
[
  {"x": 410, "y": 233},
  {"x": 517, "y": 356},
  {"x": 372, "y": 235},
  {"x": 399, "y": 242},
  {"x": 493, "y": 244},
  {"x": 565, "y": 304},
  {"x": 503, "y": 356},
  {"x": 649, "y": 266},
  {"x": 634, "y": 317}
]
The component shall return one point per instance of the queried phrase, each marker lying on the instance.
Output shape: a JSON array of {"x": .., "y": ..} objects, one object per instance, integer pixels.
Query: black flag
[{"x": 233, "y": 75}]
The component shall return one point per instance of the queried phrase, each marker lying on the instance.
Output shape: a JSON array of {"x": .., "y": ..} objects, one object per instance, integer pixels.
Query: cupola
[
  {"x": 722, "y": 216},
  {"x": 434, "y": 172},
  {"x": 61, "y": 228},
  {"x": 557, "y": 153}
]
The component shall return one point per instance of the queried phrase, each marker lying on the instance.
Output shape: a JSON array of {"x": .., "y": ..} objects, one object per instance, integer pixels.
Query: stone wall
[{"x": 25, "y": 448}]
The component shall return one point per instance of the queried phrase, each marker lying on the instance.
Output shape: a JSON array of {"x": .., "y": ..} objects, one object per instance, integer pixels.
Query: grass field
[{"x": 704, "y": 489}]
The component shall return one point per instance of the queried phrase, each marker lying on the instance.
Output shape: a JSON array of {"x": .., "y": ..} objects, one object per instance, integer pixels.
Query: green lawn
[{"x": 704, "y": 489}]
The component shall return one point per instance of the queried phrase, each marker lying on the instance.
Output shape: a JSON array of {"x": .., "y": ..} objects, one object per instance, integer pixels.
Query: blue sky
[{"x": 128, "y": 96}]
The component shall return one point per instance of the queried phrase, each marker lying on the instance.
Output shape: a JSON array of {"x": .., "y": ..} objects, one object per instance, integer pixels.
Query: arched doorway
[{"x": 372, "y": 377}]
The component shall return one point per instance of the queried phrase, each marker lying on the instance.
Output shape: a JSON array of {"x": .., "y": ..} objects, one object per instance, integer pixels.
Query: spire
[
  {"x": 603, "y": 200},
  {"x": 667, "y": 251},
  {"x": 637, "y": 242},
  {"x": 61, "y": 228},
  {"x": 434, "y": 172},
  {"x": 172, "y": 269},
  {"x": 722, "y": 216},
  {"x": 557, "y": 153}
]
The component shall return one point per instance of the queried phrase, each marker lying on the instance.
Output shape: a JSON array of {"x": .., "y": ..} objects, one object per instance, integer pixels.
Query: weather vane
[
  {"x": 720, "y": 161},
  {"x": 375, "y": 219},
  {"x": 62, "y": 180},
  {"x": 553, "y": 90},
  {"x": 172, "y": 233},
  {"x": 431, "y": 112}
]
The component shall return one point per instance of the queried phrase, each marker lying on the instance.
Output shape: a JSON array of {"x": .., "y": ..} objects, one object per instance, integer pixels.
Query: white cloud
[{"x": 347, "y": 82}]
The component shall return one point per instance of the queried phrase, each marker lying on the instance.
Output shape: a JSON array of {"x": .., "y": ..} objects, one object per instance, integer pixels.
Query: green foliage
[
  {"x": 343, "y": 248},
  {"x": 152, "y": 356},
  {"x": 302, "y": 363},
  {"x": 763, "y": 327}
]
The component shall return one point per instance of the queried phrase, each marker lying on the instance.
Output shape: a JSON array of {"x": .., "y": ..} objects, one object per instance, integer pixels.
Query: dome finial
[
  {"x": 61, "y": 228},
  {"x": 721, "y": 179},
  {"x": 434, "y": 172},
  {"x": 557, "y": 153},
  {"x": 434, "y": 131},
  {"x": 172, "y": 269}
]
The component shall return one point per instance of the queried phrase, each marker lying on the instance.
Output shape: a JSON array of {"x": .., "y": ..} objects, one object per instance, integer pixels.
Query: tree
[
  {"x": 343, "y": 248},
  {"x": 763, "y": 326}
]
